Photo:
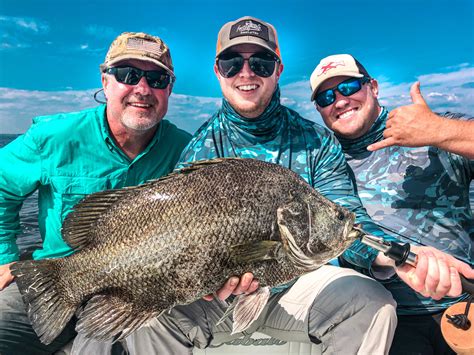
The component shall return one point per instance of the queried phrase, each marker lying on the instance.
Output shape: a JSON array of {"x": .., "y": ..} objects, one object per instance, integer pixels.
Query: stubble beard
[
  {"x": 140, "y": 121},
  {"x": 253, "y": 110}
]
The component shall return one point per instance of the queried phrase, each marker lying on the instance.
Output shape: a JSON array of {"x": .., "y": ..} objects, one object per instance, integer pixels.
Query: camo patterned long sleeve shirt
[
  {"x": 418, "y": 195},
  {"x": 282, "y": 136}
]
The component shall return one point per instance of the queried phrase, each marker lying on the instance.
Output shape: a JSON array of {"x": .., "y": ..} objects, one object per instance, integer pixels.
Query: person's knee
[
  {"x": 355, "y": 295},
  {"x": 375, "y": 291},
  {"x": 351, "y": 307},
  {"x": 370, "y": 295}
]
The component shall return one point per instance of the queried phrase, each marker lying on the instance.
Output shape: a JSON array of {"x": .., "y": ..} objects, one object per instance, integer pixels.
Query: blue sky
[{"x": 50, "y": 50}]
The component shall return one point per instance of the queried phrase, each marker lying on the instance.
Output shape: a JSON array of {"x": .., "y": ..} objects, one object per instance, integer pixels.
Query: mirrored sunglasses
[{"x": 346, "y": 88}]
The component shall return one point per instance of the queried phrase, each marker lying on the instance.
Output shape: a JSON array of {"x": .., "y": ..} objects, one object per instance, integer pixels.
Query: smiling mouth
[
  {"x": 139, "y": 105},
  {"x": 347, "y": 114},
  {"x": 248, "y": 87}
]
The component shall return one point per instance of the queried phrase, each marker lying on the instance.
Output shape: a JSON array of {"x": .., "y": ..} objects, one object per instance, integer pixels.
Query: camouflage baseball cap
[
  {"x": 248, "y": 30},
  {"x": 141, "y": 46},
  {"x": 335, "y": 65}
]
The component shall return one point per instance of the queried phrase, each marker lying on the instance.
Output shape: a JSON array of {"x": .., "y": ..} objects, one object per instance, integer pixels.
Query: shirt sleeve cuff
[{"x": 8, "y": 253}]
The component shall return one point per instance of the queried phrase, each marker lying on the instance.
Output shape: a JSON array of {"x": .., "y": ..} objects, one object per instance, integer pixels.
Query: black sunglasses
[
  {"x": 262, "y": 64},
  {"x": 346, "y": 88},
  {"x": 156, "y": 79}
]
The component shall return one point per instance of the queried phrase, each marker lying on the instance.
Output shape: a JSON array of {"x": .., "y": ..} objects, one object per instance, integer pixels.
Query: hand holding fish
[
  {"x": 436, "y": 274},
  {"x": 235, "y": 286},
  {"x": 6, "y": 276}
]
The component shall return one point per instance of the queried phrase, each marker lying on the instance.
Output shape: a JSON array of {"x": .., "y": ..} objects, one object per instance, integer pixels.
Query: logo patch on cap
[
  {"x": 331, "y": 65},
  {"x": 142, "y": 45},
  {"x": 249, "y": 28}
]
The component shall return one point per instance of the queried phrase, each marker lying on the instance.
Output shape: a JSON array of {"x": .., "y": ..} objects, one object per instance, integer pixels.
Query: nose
[
  {"x": 341, "y": 100},
  {"x": 142, "y": 87},
  {"x": 246, "y": 71}
]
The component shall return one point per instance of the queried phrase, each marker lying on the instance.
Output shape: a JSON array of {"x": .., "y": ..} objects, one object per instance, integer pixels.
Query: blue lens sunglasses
[{"x": 346, "y": 88}]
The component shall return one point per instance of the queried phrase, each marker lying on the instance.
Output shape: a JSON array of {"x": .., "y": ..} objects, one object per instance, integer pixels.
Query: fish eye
[{"x": 340, "y": 216}]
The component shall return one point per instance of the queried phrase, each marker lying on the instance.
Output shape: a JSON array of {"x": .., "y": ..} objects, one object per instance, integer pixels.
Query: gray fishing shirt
[{"x": 417, "y": 195}]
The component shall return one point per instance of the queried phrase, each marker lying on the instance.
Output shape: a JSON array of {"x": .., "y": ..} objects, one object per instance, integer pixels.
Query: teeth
[
  {"x": 346, "y": 114},
  {"x": 247, "y": 87},
  {"x": 139, "y": 105}
]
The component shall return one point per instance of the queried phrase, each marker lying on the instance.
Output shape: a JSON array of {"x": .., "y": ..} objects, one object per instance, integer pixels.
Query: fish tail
[{"x": 48, "y": 310}]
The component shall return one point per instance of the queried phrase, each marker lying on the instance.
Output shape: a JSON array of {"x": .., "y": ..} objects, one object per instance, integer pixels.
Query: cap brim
[
  {"x": 142, "y": 58},
  {"x": 247, "y": 40},
  {"x": 341, "y": 73}
]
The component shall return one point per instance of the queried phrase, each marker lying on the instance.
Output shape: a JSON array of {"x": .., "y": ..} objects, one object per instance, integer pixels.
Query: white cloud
[
  {"x": 451, "y": 91},
  {"x": 24, "y": 23},
  {"x": 18, "y": 107},
  {"x": 20, "y": 32},
  {"x": 297, "y": 97}
]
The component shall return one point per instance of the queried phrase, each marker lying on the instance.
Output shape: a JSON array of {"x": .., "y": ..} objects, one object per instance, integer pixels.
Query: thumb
[{"x": 415, "y": 94}]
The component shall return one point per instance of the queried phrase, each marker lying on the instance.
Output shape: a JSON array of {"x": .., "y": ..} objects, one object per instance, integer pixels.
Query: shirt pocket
[{"x": 69, "y": 191}]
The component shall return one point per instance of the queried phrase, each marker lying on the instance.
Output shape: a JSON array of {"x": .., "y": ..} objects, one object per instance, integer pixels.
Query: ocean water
[{"x": 30, "y": 239}]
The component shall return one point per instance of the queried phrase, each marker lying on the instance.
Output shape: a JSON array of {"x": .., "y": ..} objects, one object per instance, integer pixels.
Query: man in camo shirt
[
  {"x": 338, "y": 307},
  {"x": 418, "y": 195}
]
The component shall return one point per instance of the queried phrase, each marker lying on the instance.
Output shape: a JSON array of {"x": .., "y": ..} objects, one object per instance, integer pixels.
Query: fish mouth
[
  {"x": 351, "y": 233},
  {"x": 355, "y": 232}
]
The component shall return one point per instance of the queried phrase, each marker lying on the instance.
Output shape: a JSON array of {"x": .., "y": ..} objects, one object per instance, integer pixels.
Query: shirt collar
[
  {"x": 264, "y": 127},
  {"x": 375, "y": 133}
]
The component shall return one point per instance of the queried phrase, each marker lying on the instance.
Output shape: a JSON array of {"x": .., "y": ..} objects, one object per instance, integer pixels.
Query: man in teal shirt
[{"x": 67, "y": 156}]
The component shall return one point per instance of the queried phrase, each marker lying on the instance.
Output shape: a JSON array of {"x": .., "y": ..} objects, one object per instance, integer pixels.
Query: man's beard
[{"x": 141, "y": 121}]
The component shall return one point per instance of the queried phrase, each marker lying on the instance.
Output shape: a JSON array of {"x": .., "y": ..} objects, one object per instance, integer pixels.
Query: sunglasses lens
[
  {"x": 157, "y": 79},
  {"x": 230, "y": 64},
  {"x": 349, "y": 87},
  {"x": 346, "y": 88},
  {"x": 127, "y": 75},
  {"x": 325, "y": 98},
  {"x": 262, "y": 64}
]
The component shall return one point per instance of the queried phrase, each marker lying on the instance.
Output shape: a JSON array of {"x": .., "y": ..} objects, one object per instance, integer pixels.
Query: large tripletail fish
[{"x": 142, "y": 250}]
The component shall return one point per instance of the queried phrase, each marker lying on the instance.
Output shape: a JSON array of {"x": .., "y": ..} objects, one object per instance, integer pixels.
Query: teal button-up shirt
[{"x": 66, "y": 157}]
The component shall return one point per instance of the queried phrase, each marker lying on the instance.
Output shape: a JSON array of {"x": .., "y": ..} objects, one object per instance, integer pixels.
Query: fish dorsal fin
[
  {"x": 290, "y": 217},
  {"x": 257, "y": 251},
  {"x": 111, "y": 317},
  {"x": 190, "y": 167},
  {"x": 198, "y": 164},
  {"x": 77, "y": 226}
]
